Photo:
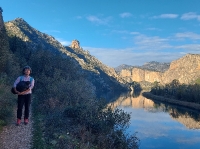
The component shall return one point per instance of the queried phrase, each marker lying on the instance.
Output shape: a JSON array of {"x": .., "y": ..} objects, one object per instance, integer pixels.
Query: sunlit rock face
[
  {"x": 138, "y": 75},
  {"x": 185, "y": 69},
  {"x": 75, "y": 44}
]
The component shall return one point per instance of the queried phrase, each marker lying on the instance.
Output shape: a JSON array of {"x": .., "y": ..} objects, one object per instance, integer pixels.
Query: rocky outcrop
[
  {"x": 75, "y": 44},
  {"x": 138, "y": 75},
  {"x": 185, "y": 69}
]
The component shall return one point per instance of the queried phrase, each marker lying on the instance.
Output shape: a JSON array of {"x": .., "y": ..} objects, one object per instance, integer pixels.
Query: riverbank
[{"x": 172, "y": 101}]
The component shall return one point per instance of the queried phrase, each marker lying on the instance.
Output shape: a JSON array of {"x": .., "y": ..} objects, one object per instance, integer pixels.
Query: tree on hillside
[{"x": 4, "y": 50}]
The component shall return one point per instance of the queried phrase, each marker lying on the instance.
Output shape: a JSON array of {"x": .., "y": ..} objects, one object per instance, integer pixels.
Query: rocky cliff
[
  {"x": 185, "y": 69},
  {"x": 138, "y": 75}
]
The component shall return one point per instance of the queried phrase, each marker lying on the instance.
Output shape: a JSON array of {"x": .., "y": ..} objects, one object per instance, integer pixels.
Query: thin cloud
[
  {"x": 63, "y": 42},
  {"x": 125, "y": 32},
  {"x": 134, "y": 33},
  {"x": 98, "y": 20},
  {"x": 120, "y": 31},
  {"x": 190, "y": 16},
  {"x": 151, "y": 43},
  {"x": 125, "y": 15},
  {"x": 191, "y": 48},
  {"x": 166, "y": 16},
  {"x": 79, "y": 17},
  {"x": 153, "y": 29},
  {"x": 188, "y": 35}
]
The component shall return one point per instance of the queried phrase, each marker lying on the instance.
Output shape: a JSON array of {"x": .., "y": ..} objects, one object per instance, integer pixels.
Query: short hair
[{"x": 26, "y": 67}]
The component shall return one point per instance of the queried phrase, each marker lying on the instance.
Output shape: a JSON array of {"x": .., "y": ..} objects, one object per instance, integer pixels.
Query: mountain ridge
[
  {"x": 152, "y": 66},
  {"x": 109, "y": 79}
]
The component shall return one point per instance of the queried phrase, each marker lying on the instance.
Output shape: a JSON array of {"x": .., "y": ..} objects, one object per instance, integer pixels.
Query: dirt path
[{"x": 16, "y": 137}]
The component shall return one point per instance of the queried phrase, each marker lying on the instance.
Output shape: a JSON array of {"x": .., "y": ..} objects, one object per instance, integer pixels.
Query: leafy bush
[{"x": 7, "y": 102}]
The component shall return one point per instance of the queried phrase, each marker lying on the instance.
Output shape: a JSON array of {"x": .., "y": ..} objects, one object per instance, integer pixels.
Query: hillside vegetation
[{"x": 176, "y": 90}]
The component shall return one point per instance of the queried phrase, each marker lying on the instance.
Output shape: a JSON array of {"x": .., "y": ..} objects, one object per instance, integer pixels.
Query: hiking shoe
[
  {"x": 25, "y": 121},
  {"x": 18, "y": 122}
]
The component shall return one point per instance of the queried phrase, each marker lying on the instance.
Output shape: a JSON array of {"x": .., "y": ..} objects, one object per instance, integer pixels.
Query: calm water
[{"x": 159, "y": 125}]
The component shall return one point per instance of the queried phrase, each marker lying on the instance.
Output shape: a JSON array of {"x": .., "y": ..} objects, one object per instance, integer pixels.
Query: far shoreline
[{"x": 190, "y": 105}]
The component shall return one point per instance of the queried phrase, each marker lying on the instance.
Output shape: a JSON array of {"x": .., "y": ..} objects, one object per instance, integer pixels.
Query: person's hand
[{"x": 20, "y": 93}]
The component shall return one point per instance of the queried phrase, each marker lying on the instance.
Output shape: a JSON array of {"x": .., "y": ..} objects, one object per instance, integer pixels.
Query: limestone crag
[
  {"x": 75, "y": 44},
  {"x": 185, "y": 69},
  {"x": 138, "y": 75}
]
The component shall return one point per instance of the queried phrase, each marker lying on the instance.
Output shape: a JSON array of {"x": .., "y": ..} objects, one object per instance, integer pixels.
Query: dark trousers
[{"x": 23, "y": 100}]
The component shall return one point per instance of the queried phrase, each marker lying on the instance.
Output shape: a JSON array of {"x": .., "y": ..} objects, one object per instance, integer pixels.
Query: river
[{"x": 160, "y": 125}]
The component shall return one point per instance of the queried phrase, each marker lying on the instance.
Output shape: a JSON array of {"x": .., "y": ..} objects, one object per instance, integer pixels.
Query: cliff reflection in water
[{"x": 189, "y": 118}]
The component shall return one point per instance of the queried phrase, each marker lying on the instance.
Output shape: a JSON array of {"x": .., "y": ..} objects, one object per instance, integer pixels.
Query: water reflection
[{"x": 187, "y": 117}]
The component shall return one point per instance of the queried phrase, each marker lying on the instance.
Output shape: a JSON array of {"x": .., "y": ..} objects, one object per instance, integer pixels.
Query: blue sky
[{"x": 116, "y": 31}]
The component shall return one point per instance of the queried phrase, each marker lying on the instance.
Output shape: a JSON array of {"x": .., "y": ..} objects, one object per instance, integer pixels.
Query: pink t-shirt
[{"x": 25, "y": 78}]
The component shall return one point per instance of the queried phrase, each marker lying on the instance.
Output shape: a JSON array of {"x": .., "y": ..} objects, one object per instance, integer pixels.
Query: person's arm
[
  {"x": 32, "y": 84},
  {"x": 24, "y": 92}
]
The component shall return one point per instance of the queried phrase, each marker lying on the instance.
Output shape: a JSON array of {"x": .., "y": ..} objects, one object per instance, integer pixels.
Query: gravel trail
[{"x": 16, "y": 137}]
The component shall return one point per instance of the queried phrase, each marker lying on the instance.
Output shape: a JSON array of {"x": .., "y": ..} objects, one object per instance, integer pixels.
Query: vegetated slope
[{"x": 103, "y": 77}]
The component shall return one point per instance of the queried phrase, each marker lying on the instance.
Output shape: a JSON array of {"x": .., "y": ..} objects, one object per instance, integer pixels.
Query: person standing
[{"x": 24, "y": 97}]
